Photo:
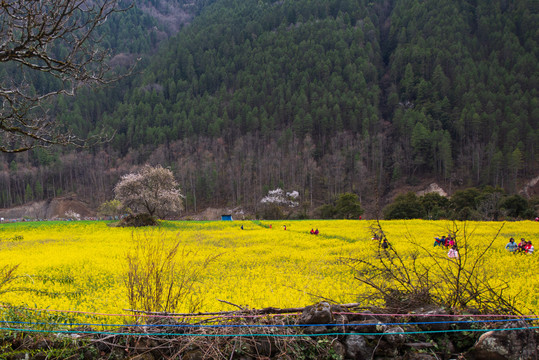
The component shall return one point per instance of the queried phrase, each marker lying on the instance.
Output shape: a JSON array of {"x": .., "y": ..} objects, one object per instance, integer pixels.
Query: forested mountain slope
[{"x": 321, "y": 96}]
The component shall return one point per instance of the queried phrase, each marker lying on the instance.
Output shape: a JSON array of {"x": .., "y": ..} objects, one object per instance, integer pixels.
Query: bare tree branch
[{"x": 57, "y": 38}]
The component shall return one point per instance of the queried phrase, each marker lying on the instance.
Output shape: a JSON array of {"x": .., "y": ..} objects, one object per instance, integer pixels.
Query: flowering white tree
[
  {"x": 278, "y": 197},
  {"x": 152, "y": 190}
]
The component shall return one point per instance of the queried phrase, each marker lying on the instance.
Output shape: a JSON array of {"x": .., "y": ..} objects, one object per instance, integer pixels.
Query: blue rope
[
  {"x": 265, "y": 335},
  {"x": 266, "y": 325}
]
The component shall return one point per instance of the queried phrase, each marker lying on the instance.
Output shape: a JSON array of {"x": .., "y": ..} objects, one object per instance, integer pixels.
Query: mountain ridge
[{"x": 328, "y": 97}]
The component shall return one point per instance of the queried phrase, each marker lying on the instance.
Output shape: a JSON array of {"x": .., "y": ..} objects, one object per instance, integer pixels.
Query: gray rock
[
  {"x": 446, "y": 346},
  {"x": 386, "y": 349},
  {"x": 357, "y": 347},
  {"x": 505, "y": 345},
  {"x": 392, "y": 336},
  {"x": 340, "y": 319},
  {"x": 315, "y": 329},
  {"x": 366, "y": 326},
  {"x": 317, "y": 314},
  {"x": 338, "y": 348},
  {"x": 439, "y": 323}
]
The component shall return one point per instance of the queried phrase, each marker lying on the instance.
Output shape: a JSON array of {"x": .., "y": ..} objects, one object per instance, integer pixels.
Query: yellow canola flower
[{"x": 82, "y": 265}]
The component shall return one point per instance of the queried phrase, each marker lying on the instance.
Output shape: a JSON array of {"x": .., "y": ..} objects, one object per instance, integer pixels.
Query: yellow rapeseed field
[{"x": 82, "y": 265}]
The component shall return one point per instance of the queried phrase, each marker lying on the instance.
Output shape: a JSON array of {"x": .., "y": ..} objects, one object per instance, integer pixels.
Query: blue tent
[{"x": 226, "y": 217}]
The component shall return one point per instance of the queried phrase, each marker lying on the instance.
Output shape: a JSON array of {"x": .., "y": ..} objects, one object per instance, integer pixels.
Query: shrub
[
  {"x": 326, "y": 211},
  {"x": 405, "y": 206},
  {"x": 465, "y": 198},
  {"x": 347, "y": 206},
  {"x": 110, "y": 208},
  {"x": 161, "y": 276},
  {"x": 435, "y": 205},
  {"x": 138, "y": 220},
  {"x": 516, "y": 207},
  {"x": 271, "y": 212}
]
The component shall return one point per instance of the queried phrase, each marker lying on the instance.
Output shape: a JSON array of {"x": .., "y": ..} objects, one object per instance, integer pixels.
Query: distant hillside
[{"x": 324, "y": 96}]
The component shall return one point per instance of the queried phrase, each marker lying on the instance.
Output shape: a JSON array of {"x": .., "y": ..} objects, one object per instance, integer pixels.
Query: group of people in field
[
  {"x": 314, "y": 232},
  {"x": 449, "y": 243},
  {"x": 383, "y": 244},
  {"x": 523, "y": 247}
]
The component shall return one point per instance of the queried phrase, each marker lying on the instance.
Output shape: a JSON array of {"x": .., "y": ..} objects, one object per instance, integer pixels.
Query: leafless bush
[
  {"x": 161, "y": 275},
  {"x": 427, "y": 276}
]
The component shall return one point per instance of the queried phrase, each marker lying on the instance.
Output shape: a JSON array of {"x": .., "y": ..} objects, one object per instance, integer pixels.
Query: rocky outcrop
[
  {"x": 432, "y": 188},
  {"x": 49, "y": 210},
  {"x": 531, "y": 188}
]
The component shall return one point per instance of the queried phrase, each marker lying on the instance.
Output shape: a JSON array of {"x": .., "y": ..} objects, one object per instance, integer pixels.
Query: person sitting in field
[
  {"x": 521, "y": 246},
  {"x": 449, "y": 242},
  {"x": 453, "y": 252},
  {"x": 312, "y": 231},
  {"x": 511, "y": 246},
  {"x": 316, "y": 232},
  {"x": 439, "y": 241},
  {"x": 375, "y": 237},
  {"x": 385, "y": 244},
  {"x": 529, "y": 248}
]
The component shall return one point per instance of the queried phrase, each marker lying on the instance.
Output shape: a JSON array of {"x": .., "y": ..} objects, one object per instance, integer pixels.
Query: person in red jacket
[{"x": 521, "y": 246}]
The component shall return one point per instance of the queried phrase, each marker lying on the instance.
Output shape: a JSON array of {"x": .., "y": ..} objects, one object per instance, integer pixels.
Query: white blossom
[
  {"x": 153, "y": 190},
  {"x": 278, "y": 197},
  {"x": 293, "y": 194}
]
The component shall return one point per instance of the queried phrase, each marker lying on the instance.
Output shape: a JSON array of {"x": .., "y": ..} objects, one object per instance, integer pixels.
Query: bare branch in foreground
[{"x": 56, "y": 38}]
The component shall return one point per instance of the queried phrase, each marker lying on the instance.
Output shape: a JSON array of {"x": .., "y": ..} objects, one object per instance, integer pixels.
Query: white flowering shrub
[
  {"x": 152, "y": 190},
  {"x": 278, "y": 197}
]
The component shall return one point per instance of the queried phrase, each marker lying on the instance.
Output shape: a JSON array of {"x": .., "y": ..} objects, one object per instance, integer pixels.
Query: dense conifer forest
[{"x": 324, "y": 97}]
